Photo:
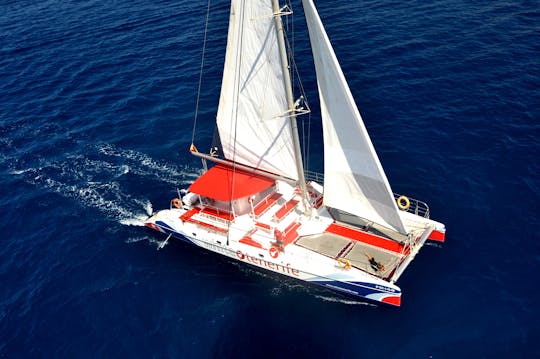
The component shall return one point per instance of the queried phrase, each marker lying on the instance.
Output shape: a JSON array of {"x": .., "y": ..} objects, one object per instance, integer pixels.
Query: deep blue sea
[{"x": 97, "y": 100}]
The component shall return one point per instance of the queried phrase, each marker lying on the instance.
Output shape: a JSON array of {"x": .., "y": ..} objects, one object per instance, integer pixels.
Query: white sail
[
  {"x": 354, "y": 180},
  {"x": 252, "y": 116}
]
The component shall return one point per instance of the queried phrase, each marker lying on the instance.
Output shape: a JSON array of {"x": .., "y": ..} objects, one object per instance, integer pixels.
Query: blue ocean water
[{"x": 97, "y": 100}]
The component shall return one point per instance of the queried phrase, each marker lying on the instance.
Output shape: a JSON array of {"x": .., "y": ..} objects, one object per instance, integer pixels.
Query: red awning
[{"x": 224, "y": 183}]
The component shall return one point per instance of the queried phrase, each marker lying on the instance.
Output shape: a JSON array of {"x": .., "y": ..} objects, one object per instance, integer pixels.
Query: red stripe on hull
[
  {"x": 393, "y": 300},
  {"x": 437, "y": 236},
  {"x": 155, "y": 227}
]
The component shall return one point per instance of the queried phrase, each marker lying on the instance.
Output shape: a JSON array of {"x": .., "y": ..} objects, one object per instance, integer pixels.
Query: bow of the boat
[{"x": 164, "y": 221}]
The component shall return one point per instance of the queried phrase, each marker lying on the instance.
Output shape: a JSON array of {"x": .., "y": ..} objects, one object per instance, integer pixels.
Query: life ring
[
  {"x": 403, "y": 203},
  {"x": 177, "y": 203},
  {"x": 274, "y": 252},
  {"x": 344, "y": 263}
]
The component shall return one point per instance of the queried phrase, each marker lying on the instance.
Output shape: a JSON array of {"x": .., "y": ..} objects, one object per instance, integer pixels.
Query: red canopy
[{"x": 224, "y": 183}]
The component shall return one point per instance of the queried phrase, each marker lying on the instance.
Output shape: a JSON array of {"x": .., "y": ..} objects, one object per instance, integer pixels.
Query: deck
[{"x": 373, "y": 254}]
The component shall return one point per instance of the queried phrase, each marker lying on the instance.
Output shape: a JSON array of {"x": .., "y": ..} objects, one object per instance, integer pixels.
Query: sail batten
[
  {"x": 252, "y": 116},
  {"x": 354, "y": 180}
]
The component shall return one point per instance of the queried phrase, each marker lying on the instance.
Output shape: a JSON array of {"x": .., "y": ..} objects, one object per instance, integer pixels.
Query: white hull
[
  {"x": 315, "y": 268},
  {"x": 300, "y": 257}
]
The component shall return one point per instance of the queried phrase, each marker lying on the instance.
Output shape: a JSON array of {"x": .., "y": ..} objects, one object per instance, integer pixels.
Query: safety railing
[
  {"x": 314, "y": 176},
  {"x": 412, "y": 205},
  {"x": 408, "y": 204}
]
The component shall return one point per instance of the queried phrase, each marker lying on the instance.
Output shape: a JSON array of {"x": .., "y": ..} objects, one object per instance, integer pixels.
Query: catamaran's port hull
[{"x": 365, "y": 287}]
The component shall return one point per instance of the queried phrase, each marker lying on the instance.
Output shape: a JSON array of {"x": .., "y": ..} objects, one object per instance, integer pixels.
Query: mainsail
[
  {"x": 252, "y": 115},
  {"x": 354, "y": 180}
]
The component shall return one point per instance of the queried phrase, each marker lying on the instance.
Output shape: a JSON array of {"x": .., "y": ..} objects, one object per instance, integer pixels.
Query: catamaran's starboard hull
[{"x": 364, "y": 287}]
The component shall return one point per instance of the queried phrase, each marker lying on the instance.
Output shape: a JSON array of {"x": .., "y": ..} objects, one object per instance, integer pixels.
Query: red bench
[
  {"x": 249, "y": 241},
  {"x": 286, "y": 209},
  {"x": 264, "y": 226},
  {"x": 291, "y": 232},
  {"x": 217, "y": 213},
  {"x": 187, "y": 217},
  {"x": 265, "y": 204},
  {"x": 208, "y": 225},
  {"x": 289, "y": 235}
]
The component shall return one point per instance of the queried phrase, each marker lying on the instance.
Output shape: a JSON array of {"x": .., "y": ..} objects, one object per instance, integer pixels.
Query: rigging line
[
  {"x": 300, "y": 84},
  {"x": 309, "y": 139},
  {"x": 287, "y": 23},
  {"x": 303, "y": 143},
  {"x": 238, "y": 65},
  {"x": 294, "y": 67},
  {"x": 294, "y": 71},
  {"x": 290, "y": 45},
  {"x": 200, "y": 73}
]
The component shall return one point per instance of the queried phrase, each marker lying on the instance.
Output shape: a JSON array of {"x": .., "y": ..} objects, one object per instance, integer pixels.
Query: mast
[{"x": 290, "y": 103}]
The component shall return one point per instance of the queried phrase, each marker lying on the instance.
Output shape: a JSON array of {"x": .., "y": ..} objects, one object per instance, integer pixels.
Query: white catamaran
[{"x": 346, "y": 230}]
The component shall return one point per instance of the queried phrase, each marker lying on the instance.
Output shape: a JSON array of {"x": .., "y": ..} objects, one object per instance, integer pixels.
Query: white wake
[{"x": 96, "y": 179}]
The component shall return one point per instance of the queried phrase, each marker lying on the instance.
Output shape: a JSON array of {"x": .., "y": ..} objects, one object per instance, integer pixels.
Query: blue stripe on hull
[
  {"x": 360, "y": 290},
  {"x": 168, "y": 230},
  {"x": 365, "y": 291}
]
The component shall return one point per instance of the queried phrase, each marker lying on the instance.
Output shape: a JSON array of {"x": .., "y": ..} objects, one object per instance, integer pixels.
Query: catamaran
[{"x": 344, "y": 230}]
